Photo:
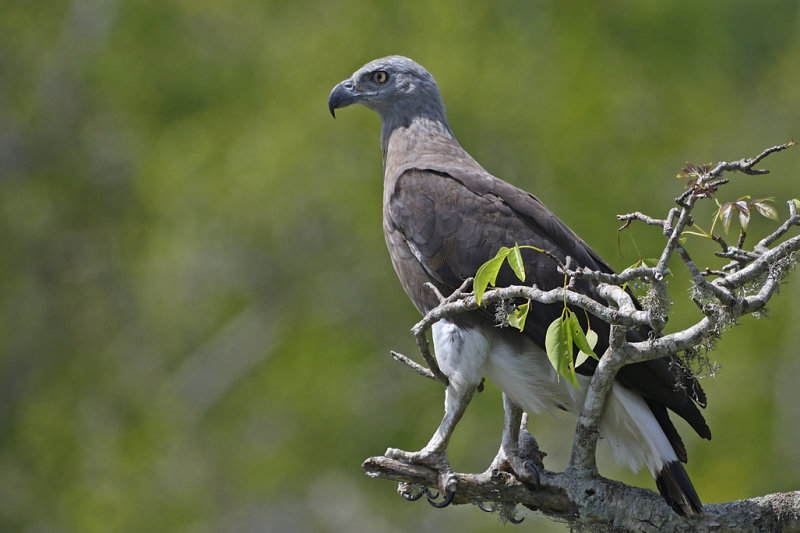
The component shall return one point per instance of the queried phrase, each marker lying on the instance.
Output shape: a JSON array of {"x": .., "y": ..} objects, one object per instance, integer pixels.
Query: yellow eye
[{"x": 380, "y": 76}]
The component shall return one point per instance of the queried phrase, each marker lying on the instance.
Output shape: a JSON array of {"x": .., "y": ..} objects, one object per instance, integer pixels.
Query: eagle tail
[{"x": 676, "y": 488}]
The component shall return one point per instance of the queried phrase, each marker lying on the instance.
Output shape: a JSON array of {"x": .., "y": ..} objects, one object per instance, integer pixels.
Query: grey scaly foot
[
  {"x": 522, "y": 468},
  {"x": 435, "y": 460}
]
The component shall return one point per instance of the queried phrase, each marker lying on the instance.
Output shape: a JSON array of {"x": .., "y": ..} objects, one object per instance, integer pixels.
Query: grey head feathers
[
  {"x": 414, "y": 126},
  {"x": 395, "y": 87}
]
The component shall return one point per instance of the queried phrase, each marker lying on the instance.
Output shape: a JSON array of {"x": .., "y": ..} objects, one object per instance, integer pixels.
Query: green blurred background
[{"x": 197, "y": 304}]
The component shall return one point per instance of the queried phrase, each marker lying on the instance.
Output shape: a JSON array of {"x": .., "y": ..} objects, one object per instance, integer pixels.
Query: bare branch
[
  {"x": 719, "y": 292},
  {"x": 422, "y": 345},
  {"x": 758, "y": 267},
  {"x": 459, "y": 291},
  {"x": 414, "y": 365},
  {"x": 605, "y": 505},
  {"x": 431, "y": 287},
  {"x": 582, "y": 459},
  {"x": 737, "y": 254},
  {"x": 793, "y": 220},
  {"x": 746, "y": 165},
  {"x": 629, "y": 274},
  {"x": 630, "y": 217}
]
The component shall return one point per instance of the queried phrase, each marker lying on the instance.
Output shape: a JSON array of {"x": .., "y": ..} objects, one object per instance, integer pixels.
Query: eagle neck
[{"x": 424, "y": 142}]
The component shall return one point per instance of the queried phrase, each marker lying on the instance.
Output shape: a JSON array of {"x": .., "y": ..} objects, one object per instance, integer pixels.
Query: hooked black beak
[{"x": 343, "y": 95}]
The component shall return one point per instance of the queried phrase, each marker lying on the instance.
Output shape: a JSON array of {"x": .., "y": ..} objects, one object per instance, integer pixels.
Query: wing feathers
[{"x": 455, "y": 221}]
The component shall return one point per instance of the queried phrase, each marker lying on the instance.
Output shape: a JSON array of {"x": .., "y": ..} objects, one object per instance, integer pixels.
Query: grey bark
[{"x": 598, "y": 504}]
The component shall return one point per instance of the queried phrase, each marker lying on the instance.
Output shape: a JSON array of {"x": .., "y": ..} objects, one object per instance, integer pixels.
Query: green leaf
[
  {"x": 567, "y": 357},
  {"x": 591, "y": 338},
  {"x": 580, "y": 359},
  {"x": 558, "y": 342},
  {"x": 567, "y": 364},
  {"x": 515, "y": 261},
  {"x": 517, "y": 318},
  {"x": 487, "y": 273},
  {"x": 555, "y": 342},
  {"x": 569, "y": 374},
  {"x": 580, "y": 340}
]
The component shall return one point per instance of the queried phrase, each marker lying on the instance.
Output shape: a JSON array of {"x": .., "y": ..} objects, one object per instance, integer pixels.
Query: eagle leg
[
  {"x": 518, "y": 451},
  {"x": 434, "y": 454}
]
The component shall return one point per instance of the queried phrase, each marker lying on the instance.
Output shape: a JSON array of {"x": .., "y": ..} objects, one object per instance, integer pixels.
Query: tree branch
[
  {"x": 579, "y": 495},
  {"x": 582, "y": 459},
  {"x": 609, "y": 506},
  {"x": 418, "y": 368}
]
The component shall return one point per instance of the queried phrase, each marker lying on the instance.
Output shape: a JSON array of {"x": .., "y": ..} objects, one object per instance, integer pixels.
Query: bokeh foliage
[{"x": 196, "y": 300}]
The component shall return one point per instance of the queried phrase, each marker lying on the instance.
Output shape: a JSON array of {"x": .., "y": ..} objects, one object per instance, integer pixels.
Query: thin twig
[
  {"x": 459, "y": 291},
  {"x": 397, "y": 356},
  {"x": 422, "y": 344},
  {"x": 793, "y": 219},
  {"x": 436, "y": 292},
  {"x": 630, "y": 217},
  {"x": 623, "y": 277},
  {"x": 719, "y": 292}
]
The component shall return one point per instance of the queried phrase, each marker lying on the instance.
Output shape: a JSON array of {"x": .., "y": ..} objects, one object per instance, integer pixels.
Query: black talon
[
  {"x": 448, "y": 499},
  {"x": 430, "y": 495},
  {"x": 532, "y": 469},
  {"x": 412, "y": 498},
  {"x": 514, "y": 520},
  {"x": 483, "y": 507}
]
